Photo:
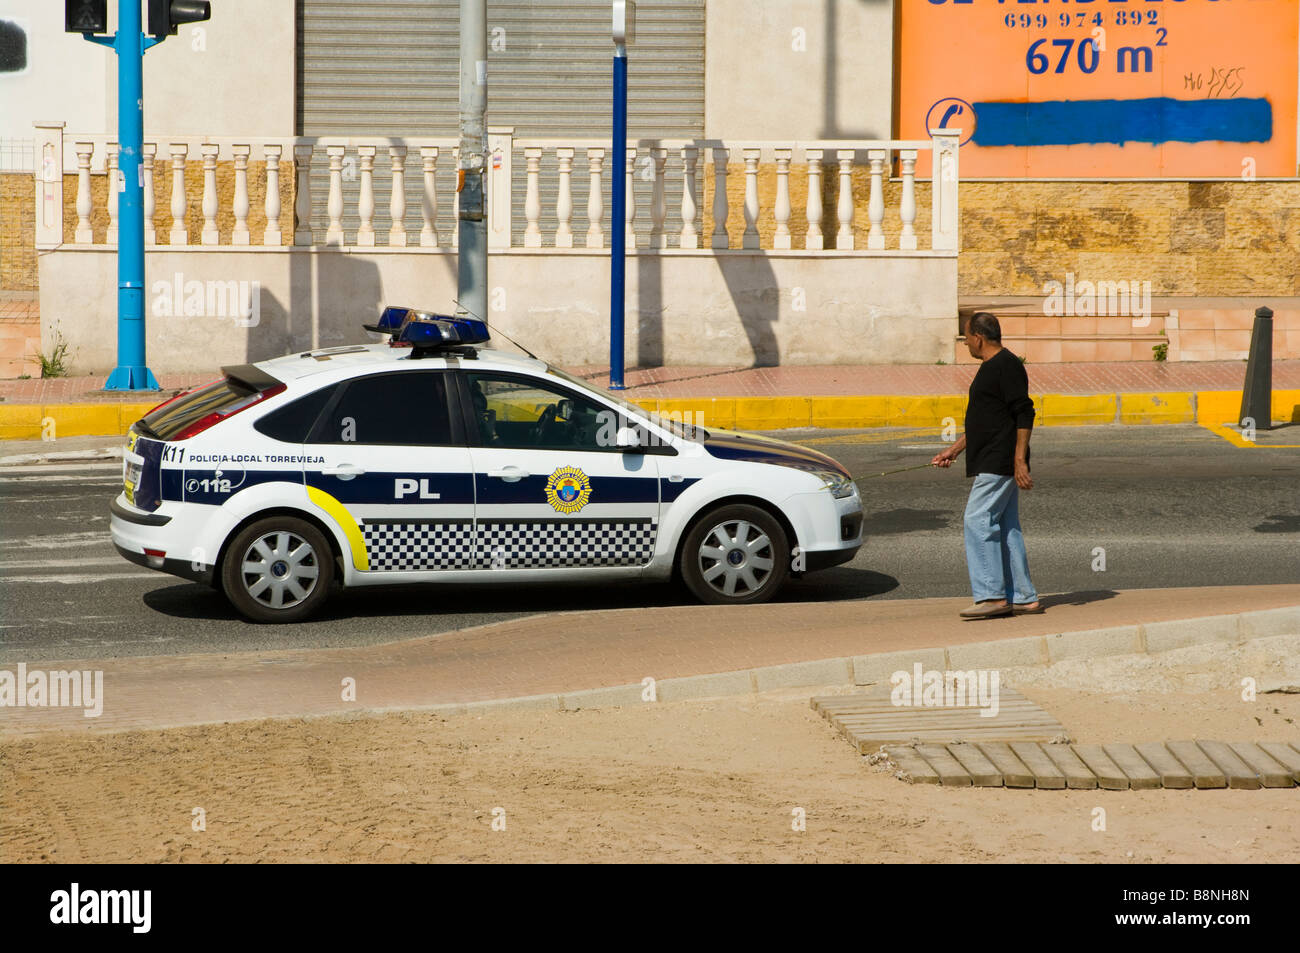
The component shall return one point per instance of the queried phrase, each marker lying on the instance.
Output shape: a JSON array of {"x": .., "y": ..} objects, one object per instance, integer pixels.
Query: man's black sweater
[{"x": 999, "y": 405}]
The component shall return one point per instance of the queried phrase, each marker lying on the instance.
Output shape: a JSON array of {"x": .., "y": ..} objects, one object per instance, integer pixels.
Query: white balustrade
[
  {"x": 595, "y": 201},
  {"x": 533, "y": 200},
  {"x": 750, "y": 239},
  {"x": 720, "y": 210},
  {"x": 180, "y": 203},
  {"x": 429, "y": 198},
  {"x": 781, "y": 210},
  {"x": 876, "y": 203},
  {"x": 366, "y": 200},
  {"x": 814, "y": 240},
  {"x": 397, "y": 197},
  {"x": 361, "y": 199},
  {"x": 690, "y": 237},
  {"x": 210, "y": 235},
  {"x": 907, "y": 205},
  {"x": 455, "y": 199},
  {"x": 564, "y": 199},
  {"x": 114, "y": 194},
  {"x": 271, "y": 154},
  {"x": 844, "y": 209},
  {"x": 147, "y": 157},
  {"x": 84, "y": 235},
  {"x": 629, "y": 214},
  {"x": 944, "y": 219},
  {"x": 334, "y": 203},
  {"x": 240, "y": 205},
  {"x": 302, "y": 197},
  {"x": 658, "y": 201}
]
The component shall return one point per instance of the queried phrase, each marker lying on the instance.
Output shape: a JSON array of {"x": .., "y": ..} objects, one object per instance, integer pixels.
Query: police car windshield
[{"x": 674, "y": 427}]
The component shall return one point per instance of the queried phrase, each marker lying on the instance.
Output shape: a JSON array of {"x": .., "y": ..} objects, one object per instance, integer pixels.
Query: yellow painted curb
[
  {"x": 52, "y": 421},
  {"x": 31, "y": 421},
  {"x": 1163, "y": 407},
  {"x": 1073, "y": 410}
]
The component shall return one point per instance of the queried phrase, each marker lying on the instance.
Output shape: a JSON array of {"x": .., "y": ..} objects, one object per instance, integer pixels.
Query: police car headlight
[{"x": 841, "y": 487}]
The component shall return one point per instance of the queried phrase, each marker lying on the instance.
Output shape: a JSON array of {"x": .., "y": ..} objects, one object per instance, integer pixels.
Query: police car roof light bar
[{"x": 426, "y": 331}]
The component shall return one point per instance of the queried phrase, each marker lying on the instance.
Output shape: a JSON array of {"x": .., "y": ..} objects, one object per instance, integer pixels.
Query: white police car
[{"x": 431, "y": 458}]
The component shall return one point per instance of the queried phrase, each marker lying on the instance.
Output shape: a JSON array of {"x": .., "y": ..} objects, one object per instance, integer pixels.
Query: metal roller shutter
[{"x": 391, "y": 67}]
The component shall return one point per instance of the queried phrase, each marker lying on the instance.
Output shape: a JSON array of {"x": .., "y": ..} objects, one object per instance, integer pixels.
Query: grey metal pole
[
  {"x": 1257, "y": 392},
  {"x": 472, "y": 263}
]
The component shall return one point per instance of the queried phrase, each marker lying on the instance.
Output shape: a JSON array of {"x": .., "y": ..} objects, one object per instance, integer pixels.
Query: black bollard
[{"x": 1257, "y": 393}]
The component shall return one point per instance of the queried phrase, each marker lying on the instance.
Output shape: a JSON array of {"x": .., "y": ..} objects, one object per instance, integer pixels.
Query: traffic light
[
  {"x": 166, "y": 15},
  {"x": 85, "y": 16}
]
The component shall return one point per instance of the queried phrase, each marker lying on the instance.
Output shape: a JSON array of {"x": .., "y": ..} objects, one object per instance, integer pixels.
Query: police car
[{"x": 433, "y": 458}]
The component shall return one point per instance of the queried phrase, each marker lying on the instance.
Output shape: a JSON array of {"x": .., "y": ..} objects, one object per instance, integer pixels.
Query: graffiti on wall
[{"x": 1104, "y": 88}]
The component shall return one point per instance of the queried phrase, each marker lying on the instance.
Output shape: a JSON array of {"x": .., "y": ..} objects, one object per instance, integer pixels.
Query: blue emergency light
[{"x": 425, "y": 330}]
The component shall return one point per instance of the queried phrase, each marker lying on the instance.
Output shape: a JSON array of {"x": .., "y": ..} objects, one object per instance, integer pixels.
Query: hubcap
[
  {"x": 736, "y": 558},
  {"x": 280, "y": 570}
]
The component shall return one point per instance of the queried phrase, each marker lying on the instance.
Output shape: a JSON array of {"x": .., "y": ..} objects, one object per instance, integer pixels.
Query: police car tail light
[
  {"x": 225, "y": 413},
  {"x": 155, "y": 557}
]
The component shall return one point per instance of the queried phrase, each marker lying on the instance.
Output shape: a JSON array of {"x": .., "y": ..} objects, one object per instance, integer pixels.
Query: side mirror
[{"x": 627, "y": 438}]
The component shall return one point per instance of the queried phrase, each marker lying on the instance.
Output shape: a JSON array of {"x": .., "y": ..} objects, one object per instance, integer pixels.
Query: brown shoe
[
  {"x": 1035, "y": 609},
  {"x": 986, "y": 610}
]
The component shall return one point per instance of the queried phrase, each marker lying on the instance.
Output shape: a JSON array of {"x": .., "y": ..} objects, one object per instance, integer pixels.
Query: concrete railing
[{"x": 434, "y": 161}]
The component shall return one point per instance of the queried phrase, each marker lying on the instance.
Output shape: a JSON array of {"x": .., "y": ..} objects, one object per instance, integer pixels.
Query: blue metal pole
[
  {"x": 618, "y": 219},
  {"x": 131, "y": 372}
]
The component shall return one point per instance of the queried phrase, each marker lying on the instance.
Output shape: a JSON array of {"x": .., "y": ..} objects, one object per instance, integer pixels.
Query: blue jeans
[{"x": 995, "y": 546}]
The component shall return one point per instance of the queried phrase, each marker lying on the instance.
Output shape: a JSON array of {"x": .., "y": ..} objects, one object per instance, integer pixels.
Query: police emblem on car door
[{"x": 552, "y": 487}]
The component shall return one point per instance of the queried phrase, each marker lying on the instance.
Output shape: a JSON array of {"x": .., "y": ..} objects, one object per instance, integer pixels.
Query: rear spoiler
[{"x": 251, "y": 376}]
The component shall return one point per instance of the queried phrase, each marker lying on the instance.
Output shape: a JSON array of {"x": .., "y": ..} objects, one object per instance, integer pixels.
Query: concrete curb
[
  {"x": 88, "y": 455},
  {"x": 1149, "y": 638},
  {"x": 29, "y": 421}
]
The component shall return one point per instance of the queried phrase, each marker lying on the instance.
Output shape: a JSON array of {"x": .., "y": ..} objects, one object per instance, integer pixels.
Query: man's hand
[
  {"x": 1023, "y": 479},
  {"x": 944, "y": 458}
]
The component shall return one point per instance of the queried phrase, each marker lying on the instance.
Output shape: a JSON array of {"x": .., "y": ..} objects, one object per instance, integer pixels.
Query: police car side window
[
  {"x": 407, "y": 408},
  {"x": 527, "y": 414},
  {"x": 292, "y": 422}
]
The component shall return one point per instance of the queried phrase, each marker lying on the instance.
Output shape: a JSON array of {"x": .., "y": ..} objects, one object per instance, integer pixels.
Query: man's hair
[{"x": 986, "y": 326}]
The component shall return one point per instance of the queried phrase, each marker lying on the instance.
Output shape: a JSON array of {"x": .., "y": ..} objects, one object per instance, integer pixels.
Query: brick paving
[
  {"x": 823, "y": 381},
  {"x": 557, "y": 653}
]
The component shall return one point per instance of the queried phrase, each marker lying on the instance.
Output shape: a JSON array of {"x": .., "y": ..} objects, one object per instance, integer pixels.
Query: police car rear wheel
[
  {"x": 278, "y": 570},
  {"x": 735, "y": 554}
]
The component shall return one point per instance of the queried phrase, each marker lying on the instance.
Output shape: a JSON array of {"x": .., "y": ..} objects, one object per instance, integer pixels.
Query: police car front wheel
[
  {"x": 735, "y": 554},
  {"x": 278, "y": 569}
]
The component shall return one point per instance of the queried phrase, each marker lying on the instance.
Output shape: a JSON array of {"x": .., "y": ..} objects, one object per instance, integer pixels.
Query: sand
[{"x": 715, "y": 780}]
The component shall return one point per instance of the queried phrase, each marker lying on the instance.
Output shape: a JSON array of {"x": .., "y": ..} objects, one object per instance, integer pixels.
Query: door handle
[
  {"x": 510, "y": 474},
  {"x": 344, "y": 471}
]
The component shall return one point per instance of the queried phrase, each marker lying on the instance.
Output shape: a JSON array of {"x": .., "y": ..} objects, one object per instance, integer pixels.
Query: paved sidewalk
[
  {"x": 825, "y": 381},
  {"x": 570, "y": 652}
]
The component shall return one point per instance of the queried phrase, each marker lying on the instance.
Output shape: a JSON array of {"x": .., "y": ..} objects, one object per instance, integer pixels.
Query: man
[{"x": 999, "y": 418}]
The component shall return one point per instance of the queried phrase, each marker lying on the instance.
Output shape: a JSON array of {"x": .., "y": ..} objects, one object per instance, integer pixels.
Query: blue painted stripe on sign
[{"x": 1155, "y": 120}]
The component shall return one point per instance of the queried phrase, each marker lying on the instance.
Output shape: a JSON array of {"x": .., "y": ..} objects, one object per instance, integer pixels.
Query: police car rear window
[
  {"x": 171, "y": 418},
  {"x": 292, "y": 422},
  {"x": 408, "y": 408}
]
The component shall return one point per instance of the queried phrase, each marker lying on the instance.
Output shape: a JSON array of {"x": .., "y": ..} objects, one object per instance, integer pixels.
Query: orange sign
[{"x": 1104, "y": 88}]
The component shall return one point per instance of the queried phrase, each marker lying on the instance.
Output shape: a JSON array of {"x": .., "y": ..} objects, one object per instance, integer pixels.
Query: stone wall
[{"x": 17, "y": 232}]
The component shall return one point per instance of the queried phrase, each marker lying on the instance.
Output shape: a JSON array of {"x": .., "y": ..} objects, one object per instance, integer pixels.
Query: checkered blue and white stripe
[
  {"x": 535, "y": 545},
  {"x": 509, "y": 545},
  {"x": 392, "y": 546}
]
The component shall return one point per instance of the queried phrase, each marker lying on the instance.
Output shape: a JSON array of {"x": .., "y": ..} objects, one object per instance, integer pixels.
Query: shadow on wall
[
  {"x": 755, "y": 297},
  {"x": 331, "y": 295},
  {"x": 831, "y": 128}
]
